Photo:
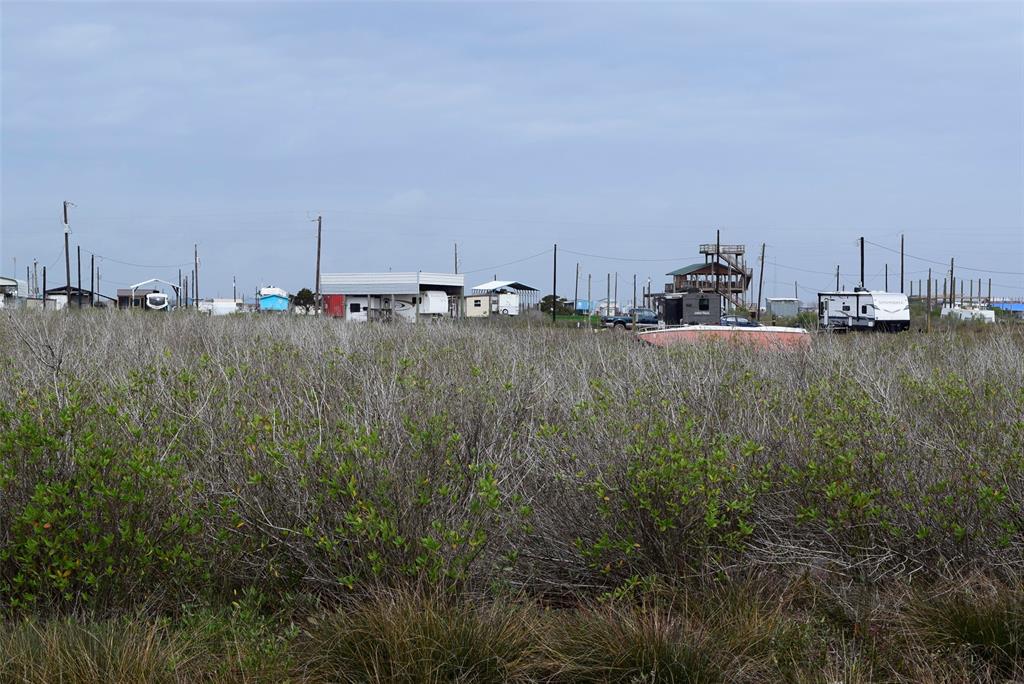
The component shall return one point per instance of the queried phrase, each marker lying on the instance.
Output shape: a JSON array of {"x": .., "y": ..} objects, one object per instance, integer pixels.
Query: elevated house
[{"x": 702, "y": 292}]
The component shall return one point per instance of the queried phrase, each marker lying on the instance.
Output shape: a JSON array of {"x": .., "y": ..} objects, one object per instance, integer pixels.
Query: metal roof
[
  {"x": 409, "y": 282},
  {"x": 503, "y": 284},
  {"x": 693, "y": 268}
]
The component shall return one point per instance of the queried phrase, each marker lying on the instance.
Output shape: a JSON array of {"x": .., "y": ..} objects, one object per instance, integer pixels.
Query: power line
[
  {"x": 943, "y": 263},
  {"x": 129, "y": 263},
  {"x": 616, "y": 258},
  {"x": 509, "y": 263}
]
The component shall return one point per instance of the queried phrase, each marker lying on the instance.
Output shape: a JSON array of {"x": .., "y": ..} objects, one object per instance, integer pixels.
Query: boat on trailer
[{"x": 765, "y": 336}]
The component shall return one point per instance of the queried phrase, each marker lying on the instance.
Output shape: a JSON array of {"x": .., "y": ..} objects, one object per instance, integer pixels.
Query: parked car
[
  {"x": 625, "y": 320},
  {"x": 739, "y": 322}
]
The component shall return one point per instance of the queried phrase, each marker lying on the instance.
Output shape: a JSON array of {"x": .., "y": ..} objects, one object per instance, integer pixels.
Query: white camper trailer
[{"x": 864, "y": 310}]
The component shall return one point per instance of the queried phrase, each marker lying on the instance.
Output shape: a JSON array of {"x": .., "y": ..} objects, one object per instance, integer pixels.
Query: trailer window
[
  {"x": 863, "y": 308},
  {"x": 353, "y": 307},
  {"x": 704, "y": 304},
  {"x": 476, "y": 303},
  {"x": 846, "y": 307}
]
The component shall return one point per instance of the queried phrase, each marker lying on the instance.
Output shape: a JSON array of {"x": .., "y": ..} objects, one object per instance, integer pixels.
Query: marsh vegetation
[{"x": 269, "y": 499}]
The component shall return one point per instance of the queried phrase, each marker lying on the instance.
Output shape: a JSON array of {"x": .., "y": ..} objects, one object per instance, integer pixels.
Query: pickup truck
[{"x": 624, "y": 321}]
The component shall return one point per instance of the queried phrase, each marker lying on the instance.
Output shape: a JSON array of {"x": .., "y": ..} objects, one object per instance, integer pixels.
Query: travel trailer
[
  {"x": 430, "y": 304},
  {"x": 864, "y": 309}
]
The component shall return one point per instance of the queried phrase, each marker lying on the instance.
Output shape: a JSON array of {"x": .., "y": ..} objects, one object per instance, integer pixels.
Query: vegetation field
[{"x": 280, "y": 499}]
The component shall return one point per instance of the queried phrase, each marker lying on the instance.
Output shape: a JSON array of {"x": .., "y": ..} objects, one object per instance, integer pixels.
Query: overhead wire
[
  {"x": 129, "y": 263},
  {"x": 942, "y": 263},
  {"x": 508, "y": 263}
]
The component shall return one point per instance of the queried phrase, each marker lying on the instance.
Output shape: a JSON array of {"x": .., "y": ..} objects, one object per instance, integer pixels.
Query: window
[
  {"x": 704, "y": 304},
  {"x": 821, "y": 308},
  {"x": 353, "y": 307},
  {"x": 846, "y": 307},
  {"x": 476, "y": 304},
  {"x": 863, "y": 308}
]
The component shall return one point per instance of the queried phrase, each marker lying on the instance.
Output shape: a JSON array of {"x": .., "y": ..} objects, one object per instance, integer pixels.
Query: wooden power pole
[
  {"x": 195, "y": 274},
  {"x": 554, "y": 282},
  {"x": 319, "y": 228},
  {"x": 760, "y": 284},
  {"x": 67, "y": 255}
]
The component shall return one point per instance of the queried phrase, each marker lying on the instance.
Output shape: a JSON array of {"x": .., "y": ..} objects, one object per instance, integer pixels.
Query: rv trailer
[{"x": 864, "y": 309}]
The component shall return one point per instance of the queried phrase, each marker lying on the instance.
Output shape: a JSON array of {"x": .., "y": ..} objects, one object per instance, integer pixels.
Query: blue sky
[{"x": 624, "y": 130}]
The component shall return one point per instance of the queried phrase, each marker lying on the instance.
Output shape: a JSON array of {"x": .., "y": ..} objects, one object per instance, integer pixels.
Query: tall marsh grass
[{"x": 172, "y": 463}]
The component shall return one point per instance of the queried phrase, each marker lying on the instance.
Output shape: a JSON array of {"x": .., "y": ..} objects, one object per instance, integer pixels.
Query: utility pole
[
  {"x": 319, "y": 227},
  {"x": 796, "y": 290},
  {"x": 862, "y": 263},
  {"x": 608, "y": 296},
  {"x": 92, "y": 280},
  {"x": 901, "y": 264},
  {"x": 887, "y": 277},
  {"x": 718, "y": 249},
  {"x": 928, "y": 310},
  {"x": 634, "y": 290},
  {"x": 760, "y": 284},
  {"x": 177, "y": 293},
  {"x": 195, "y": 273},
  {"x": 990, "y": 291},
  {"x": 456, "y": 257},
  {"x": 952, "y": 283},
  {"x": 67, "y": 254},
  {"x": 590, "y": 302},
  {"x": 616, "y": 292},
  {"x": 78, "y": 250},
  {"x": 837, "y": 277},
  {"x": 576, "y": 292},
  {"x": 554, "y": 282},
  {"x": 44, "y": 288}
]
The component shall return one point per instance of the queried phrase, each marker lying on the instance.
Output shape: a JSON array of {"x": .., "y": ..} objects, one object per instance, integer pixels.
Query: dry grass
[{"x": 174, "y": 464}]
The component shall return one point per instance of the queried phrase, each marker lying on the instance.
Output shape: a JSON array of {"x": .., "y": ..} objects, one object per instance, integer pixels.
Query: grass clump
[
  {"x": 413, "y": 637},
  {"x": 108, "y": 652},
  {"x": 632, "y": 644},
  {"x": 983, "y": 625}
]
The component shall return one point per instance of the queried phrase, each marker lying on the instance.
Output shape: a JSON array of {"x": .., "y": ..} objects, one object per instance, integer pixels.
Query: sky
[{"x": 625, "y": 133}]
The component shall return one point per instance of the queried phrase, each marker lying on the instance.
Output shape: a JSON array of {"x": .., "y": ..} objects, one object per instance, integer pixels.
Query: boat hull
[{"x": 772, "y": 337}]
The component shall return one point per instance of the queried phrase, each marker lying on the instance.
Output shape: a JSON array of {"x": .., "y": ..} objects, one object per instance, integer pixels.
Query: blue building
[
  {"x": 274, "y": 299},
  {"x": 584, "y": 306}
]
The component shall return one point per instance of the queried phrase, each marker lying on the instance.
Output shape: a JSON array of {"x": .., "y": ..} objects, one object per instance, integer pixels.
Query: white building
[
  {"x": 409, "y": 295},
  {"x": 504, "y": 297}
]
